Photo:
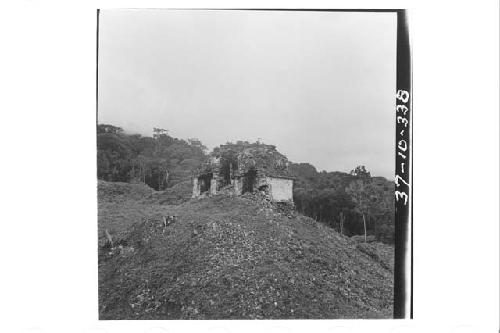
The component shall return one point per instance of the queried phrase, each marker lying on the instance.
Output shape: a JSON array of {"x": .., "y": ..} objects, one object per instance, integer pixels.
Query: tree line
[
  {"x": 160, "y": 161},
  {"x": 352, "y": 203}
]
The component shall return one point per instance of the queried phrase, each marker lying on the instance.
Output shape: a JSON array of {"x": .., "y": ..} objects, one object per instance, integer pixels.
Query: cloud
[{"x": 318, "y": 85}]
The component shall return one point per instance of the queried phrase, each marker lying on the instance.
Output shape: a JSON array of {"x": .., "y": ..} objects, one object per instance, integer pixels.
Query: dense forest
[
  {"x": 160, "y": 161},
  {"x": 352, "y": 203}
]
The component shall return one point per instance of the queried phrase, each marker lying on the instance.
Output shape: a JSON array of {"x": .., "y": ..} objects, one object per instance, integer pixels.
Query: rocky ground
[{"x": 231, "y": 258}]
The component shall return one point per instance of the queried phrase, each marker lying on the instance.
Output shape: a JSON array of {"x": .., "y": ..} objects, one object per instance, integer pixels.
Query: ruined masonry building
[{"x": 235, "y": 169}]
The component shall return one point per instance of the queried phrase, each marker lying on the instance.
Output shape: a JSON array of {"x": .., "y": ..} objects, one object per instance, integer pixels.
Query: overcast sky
[{"x": 318, "y": 85}]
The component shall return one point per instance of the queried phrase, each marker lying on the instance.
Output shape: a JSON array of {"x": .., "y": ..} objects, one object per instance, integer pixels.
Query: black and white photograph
[
  {"x": 253, "y": 166},
  {"x": 245, "y": 161}
]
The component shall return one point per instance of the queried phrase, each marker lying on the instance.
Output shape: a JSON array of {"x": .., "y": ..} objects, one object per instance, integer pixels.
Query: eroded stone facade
[{"x": 237, "y": 169}]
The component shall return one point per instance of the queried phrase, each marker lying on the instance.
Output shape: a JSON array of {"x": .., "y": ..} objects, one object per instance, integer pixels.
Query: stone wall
[
  {"x": 213, "y": 186},
  {"x": 196, "y": 188},
  {"x": 238, "y": 186},
  {"x": 280, "y": 189},
  {"x": 235, "y": 169},
  {"x": 207, "y": 184}
]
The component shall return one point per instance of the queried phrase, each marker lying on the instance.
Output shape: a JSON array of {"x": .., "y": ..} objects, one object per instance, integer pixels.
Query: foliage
[
  {"x": 160, "y": 161},
  {"x": 339, "y": 200},
  {"x": 360, "y": 171}
]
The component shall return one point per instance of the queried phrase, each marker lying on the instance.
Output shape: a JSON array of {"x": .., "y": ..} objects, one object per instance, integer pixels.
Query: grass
[{"x": 233, "y": 258}]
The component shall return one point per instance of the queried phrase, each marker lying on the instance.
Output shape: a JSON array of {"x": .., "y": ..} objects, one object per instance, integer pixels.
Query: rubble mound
[
  {"x": 262, "y": 198},
  {"x": 241, "y": 258}
]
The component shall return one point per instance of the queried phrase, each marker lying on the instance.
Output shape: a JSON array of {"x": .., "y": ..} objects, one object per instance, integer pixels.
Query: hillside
[
  {"x": 232, "y": 258},
  {"x": 351, "y": 203}
]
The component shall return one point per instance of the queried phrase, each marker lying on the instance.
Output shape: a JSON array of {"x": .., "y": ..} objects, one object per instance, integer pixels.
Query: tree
[
  {"x": 362, "y": 194},
  {"x": 341, "y": 220},
  {"x": 113, "y": 157},
  {"x": 159, "y": 161},
  {"x": 105, "y": 128},
  {"x": 159, "y": 132},
  {"x": 197, "y": 144},
  {"x": 360, "y": 171}
]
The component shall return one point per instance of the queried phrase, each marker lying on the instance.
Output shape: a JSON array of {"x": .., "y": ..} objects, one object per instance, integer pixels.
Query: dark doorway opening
[
  {"x": 204, "y": 181},
  {"x": 249, "y": 180},
  {"x": 227, "y": 170},
  {"x": 264, "y": 188}
]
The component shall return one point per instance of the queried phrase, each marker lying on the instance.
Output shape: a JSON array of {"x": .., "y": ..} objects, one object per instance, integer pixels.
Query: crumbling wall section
[
  {"x": 261, "y": 180},
  {"x": 243, "y": 167},
  {"x": 213, "y": 186},
  {"x": 196, "y": 188},
  {"x": 264, "y": 158},
  {"x": 238, "y": 185}
]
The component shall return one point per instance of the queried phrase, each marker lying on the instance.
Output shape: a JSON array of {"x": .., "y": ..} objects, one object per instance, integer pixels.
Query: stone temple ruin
[{"x": 235, "y": 169}]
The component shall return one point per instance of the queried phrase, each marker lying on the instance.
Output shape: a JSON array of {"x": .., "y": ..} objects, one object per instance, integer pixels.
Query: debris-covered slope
[
  {"x": 121, "y": 205},
  {"x": 237, "y": 257}
]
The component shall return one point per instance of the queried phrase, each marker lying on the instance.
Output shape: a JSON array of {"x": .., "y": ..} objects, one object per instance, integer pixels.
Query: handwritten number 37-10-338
[{"x": 403, "y": 97}]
